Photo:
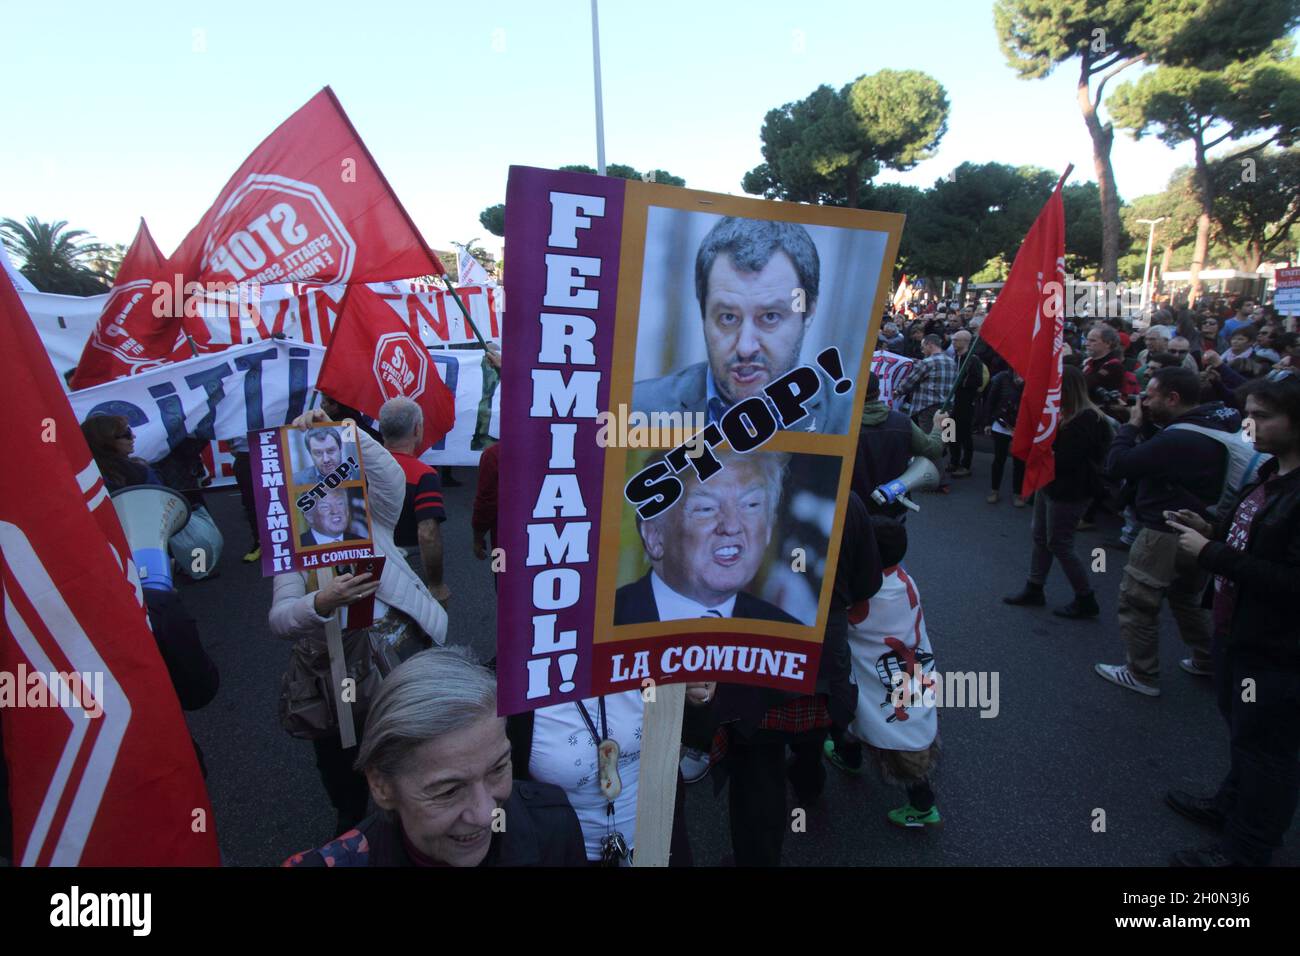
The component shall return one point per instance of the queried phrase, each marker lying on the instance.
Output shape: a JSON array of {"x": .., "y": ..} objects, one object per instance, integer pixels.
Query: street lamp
[{"x": 1146, "y": 270}]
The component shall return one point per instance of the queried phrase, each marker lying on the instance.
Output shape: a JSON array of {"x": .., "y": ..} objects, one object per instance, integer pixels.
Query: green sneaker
[
  {"x": 908, "y": 817},
  {"x": 836, "y": 761}
]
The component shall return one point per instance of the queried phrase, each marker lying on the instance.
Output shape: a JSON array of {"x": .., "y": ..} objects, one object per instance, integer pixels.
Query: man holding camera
[{"x": 1173, "y": 468}]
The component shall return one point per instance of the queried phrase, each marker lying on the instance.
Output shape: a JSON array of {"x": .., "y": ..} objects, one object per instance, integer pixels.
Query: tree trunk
[
  {"x": 1166, "y": 260},
  {"x": 1102, "y": 137},
  {"x": 854, "y": 176},
  {"x": 1251, "y": 256},
  {"x": 1205, "y": 199}
]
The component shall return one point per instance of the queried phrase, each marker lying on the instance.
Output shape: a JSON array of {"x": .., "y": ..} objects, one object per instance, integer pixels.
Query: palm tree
[{"x": 55, "y": 258}]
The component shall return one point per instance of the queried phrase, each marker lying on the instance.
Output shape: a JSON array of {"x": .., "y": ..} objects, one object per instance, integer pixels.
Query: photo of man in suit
[
  {"x": 328, "y": 521},
  {"x": 325, "y": 448},
  {"x": 709, "y": 546},
  {"x": 757, "y": 283}
]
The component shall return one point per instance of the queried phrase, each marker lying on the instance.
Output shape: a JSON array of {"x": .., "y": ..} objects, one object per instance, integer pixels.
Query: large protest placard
[
  {"x": 680, "y": 410},
  {"x": 310, "y": 495}
]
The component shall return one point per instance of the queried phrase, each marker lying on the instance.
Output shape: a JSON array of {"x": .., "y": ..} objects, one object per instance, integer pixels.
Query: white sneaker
[
  {"x": 1121, "y": 675},
  {"x": 694, "y": 765},
  {"x": 1200, "y": 670}
]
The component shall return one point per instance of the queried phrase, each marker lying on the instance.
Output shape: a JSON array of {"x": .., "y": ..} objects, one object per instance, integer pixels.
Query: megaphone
[
  {"x": 920, "y": 475},
  {"x": 150, "y": 515}
]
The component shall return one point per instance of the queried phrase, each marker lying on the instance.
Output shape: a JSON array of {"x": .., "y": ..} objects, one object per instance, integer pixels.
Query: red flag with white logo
[
  {"x": 308, "y": 205},
  {"x": 1026, "y": 326},
  {"x": 132, "y": 335},
  {"x": 102, "y": 771},
  {"x": 374, "y": 356}
]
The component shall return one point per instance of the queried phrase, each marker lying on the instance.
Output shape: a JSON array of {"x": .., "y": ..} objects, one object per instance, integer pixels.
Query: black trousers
[
  {"x": 347, "y": 788},
  {"x": 962, "y": 451},
  {"x": 1260, "y": 793},
  {"x": 244, "y": 479},
  {"x": 756, "y": 778},
  {"x": 1002, "y": 451}
]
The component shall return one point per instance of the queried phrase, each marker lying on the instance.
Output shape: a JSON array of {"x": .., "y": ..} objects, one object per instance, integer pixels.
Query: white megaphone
[
  {"x": 920, "y": 475},
  {"x": 150, "y": 515}
]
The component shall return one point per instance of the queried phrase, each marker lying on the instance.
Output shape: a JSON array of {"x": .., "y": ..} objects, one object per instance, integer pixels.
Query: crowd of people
[{"x": 1188, "y": 428}]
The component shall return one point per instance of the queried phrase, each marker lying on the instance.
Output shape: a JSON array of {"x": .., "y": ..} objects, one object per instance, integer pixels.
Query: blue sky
[{"x": 116, "y": 111}]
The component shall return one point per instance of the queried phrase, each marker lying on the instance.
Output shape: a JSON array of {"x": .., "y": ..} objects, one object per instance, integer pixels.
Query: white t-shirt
[{"x": 564, "y": 755}]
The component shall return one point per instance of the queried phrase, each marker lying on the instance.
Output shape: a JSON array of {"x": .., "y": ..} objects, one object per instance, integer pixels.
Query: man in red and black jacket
[
  {"x": 1103, "y": 370},
  {"x": 418, "y": 531}
]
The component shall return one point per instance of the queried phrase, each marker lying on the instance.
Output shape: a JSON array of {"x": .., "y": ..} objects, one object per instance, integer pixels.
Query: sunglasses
[{"x": 1178, "y": 351}]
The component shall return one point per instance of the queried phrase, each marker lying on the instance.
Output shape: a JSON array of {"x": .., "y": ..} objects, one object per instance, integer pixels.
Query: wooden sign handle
[
  {"x": 661, "y": 739},
  {"x": 338, "y": 668}
]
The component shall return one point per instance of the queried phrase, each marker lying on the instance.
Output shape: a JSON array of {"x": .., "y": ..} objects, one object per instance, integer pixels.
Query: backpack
[{"x": 1243, "y": 464}]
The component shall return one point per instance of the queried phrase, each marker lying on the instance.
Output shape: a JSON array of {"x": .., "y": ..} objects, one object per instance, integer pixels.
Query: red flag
[
  {"x": 114, "y": 786},
  {"x": 374, "y": 356},
  {"x": 308, "y": 205},
  {"x": 132, "y": 336},
  {"x": 1026, "y": 327}
]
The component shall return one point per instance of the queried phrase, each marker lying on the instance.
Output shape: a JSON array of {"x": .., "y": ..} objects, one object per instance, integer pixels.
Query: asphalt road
[{"x": 1019, "y": 789}]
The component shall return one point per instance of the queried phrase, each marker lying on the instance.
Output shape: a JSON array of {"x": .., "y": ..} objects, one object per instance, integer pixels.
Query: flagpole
[
  {"x": 600, "y": 109},
  {"x": 464, "y": 311}
]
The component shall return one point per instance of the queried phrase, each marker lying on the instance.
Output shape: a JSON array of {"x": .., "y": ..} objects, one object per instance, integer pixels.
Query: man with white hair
[{"x": 418, "y": 532}]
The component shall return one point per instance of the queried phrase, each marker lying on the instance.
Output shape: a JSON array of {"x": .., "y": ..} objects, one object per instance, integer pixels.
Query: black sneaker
[
  {"x": 1202, "y": 810},
  {"x": 1030, "y": 596},
  {"x": 1205, "y": 856}
]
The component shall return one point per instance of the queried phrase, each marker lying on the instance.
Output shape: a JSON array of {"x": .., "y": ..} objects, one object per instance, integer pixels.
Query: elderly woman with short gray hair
[{"x": 437, "y": 760}]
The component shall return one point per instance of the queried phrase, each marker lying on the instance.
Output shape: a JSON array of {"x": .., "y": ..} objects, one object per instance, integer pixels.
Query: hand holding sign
[{"x": 344, "y": 590}]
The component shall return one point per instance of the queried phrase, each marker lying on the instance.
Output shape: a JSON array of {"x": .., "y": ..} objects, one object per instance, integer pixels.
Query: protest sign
[
  {"x": 1287, "y": 297},
  {"x": 738, "y": 329},
  {"x": 310, "y": 497}
]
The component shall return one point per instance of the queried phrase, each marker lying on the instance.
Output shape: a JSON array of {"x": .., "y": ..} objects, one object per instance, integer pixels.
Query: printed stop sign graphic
[
  {"x": 400, "y": 367},
  {"x": 274, "y": 229}
]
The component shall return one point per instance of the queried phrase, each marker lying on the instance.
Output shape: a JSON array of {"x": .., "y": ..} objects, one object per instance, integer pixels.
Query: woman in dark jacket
[
  {"x": 437, "y": 760},
  {"x": 1079, "y": 448},
  {"x": 112, "y": 444},
  {"x": 1254, "y": 553}
]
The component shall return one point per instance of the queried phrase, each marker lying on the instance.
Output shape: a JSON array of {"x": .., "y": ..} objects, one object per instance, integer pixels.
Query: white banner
[
  {"x": 301, "y": 313},
  {"x": 219, "y": 396},
  {"x": 227, "y": 394},
  {"x": 478, "y": 416},
  {"x": 307, "y": 313},
  {"x": 64, "y": 323}
]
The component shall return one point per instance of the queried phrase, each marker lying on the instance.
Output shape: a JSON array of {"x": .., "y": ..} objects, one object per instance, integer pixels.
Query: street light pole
[
  {"x": 1146, "y": 270},
  {"x": 600, "y": 107}
]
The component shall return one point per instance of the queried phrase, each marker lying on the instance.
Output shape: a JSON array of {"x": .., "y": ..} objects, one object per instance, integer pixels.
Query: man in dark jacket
[
  {"x": 1174, "y": 469},
  {"x": 970, "y": 381},
  {"x": 1254, "y": 551}
]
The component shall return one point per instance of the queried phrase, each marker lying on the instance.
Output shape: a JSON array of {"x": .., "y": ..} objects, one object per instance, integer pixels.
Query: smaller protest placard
[
  {"x": 310, "y": 495},
  {"x": 1287, "y": 298}
]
